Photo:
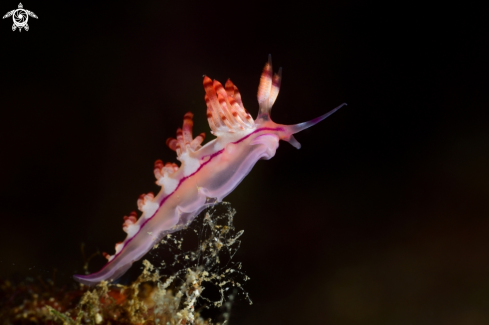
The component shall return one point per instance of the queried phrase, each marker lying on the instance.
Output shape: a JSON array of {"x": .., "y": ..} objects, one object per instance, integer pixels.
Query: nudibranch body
[{"x": 207, "y": 173}]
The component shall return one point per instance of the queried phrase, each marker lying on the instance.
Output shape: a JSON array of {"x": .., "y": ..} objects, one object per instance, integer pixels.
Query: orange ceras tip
[
  {"x": 159, "y": 164},
  {"x": 207, "y": 82},
  {"x": 229, "y": 86},
  {"x": 217, "y": 86},
  {"x": 172, "y": 143}
]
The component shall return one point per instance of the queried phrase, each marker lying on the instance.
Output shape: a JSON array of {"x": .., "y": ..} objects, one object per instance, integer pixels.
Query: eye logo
[{"x": 20, "y": 17}]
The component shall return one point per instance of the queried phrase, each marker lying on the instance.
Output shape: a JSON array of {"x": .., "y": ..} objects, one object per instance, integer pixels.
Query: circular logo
[{"x": 20, "y": 17}]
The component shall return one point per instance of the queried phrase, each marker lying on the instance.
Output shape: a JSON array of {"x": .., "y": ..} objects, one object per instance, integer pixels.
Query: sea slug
[{"x": 207, "y": 173}]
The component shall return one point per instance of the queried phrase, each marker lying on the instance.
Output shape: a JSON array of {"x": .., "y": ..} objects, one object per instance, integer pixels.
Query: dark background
[{"x": 382, "y": 217}]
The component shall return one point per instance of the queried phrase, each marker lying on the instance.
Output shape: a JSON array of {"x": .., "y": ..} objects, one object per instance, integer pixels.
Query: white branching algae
[
  {"x": 177, "y": 291},
  {"x": 212, "y": 263}
]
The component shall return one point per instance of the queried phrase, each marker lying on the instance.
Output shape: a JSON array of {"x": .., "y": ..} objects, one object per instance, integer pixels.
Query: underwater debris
[{"x": 157, "y": 296}]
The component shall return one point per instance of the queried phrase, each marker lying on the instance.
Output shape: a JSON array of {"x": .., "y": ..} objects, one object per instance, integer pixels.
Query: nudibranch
[{"x": 207, "y": 173}]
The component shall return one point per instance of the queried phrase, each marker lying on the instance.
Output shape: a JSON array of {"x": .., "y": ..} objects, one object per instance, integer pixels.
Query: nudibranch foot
[{"x": 207, "y": 173}]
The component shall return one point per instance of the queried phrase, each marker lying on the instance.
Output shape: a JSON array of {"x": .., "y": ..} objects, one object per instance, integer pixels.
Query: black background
[{"x": 381, "y": 217}]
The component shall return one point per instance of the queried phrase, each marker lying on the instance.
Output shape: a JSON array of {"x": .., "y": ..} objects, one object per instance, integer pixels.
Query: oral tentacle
[{"x": 292, "y": 129}]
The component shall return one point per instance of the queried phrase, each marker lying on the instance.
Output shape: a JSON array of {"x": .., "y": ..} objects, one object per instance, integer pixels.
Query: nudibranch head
[
  {"x": 226, "y": 114},
  {"x": 207, "y": 173}
]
